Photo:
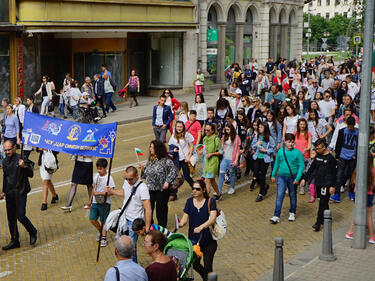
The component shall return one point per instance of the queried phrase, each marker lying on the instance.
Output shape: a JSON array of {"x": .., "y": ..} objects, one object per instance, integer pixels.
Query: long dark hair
[
  {"x": 202, "y": 185},
  {"x": 222, "y": 103},
  {"x": 160, "y": 149},
  {"x": 299, "y": 130},
  {"x": 231, "y": 135},
  {"x": 316, "y": 114},
  {"x": 181, "y": 135},
  {"x": 225, "y": 92},
  {"x": 266, "y": 131},
  {"x": 274, "y": 121},
  {"x": 201, "y": 96},
  {"x": 170, "y": 92},
  {"x": 245, "y": 121}
]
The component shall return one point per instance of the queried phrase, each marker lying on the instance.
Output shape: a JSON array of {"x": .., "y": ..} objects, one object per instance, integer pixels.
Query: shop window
[
  {"x": 319, "y": 2},
  {"x": 166, "y": 59},
  {"x": 4, "y": 10},
  {"x": 230, "y": 38},
  {"x": 4, "y": 67},
  {"x": 212, "y": 47},
  {"x": 328, "y": 2},
  {"x": 327, "y": 15}
]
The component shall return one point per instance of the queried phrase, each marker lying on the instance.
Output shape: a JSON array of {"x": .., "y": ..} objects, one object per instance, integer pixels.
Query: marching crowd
[{"x": 295, "y": 122}]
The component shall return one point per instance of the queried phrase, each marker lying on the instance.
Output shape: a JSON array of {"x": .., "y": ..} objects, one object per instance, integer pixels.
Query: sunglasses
[
  {"x": 196, "y": 188},
  {"x": 243, "y": 100},
  {"x": 129, "y": 179},
  {"x": 294, "y": 99},
  {"x": 207, "y": 130}
]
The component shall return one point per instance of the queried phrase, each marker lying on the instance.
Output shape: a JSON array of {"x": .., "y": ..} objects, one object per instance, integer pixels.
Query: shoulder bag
[
  {"x": 178, "y": 181},
  {"x": 286, "y": 160},
  {"x": 134, "y": 190},
  {"x": 219, "y": 228}
]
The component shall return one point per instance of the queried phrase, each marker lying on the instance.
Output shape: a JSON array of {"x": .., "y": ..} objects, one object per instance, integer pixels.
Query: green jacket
[{"x": 295, "y": 160}]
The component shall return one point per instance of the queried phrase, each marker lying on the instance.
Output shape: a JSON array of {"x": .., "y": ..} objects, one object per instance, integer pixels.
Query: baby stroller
[
  {"x": 180, "y": 249},
  {"x": 88, "y": 113}
]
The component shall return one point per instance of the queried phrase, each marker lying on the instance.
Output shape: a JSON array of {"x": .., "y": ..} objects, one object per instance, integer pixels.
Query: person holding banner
[
  {"x": 12, "y": 127},
  {"x": 82, "y": 174},
  {"x": 46, "y": 91},
  {"x": 15, "y": 188},
  {"x": 34, "y": 109}
]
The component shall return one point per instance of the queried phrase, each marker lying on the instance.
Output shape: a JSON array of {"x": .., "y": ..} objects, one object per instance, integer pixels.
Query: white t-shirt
[
  {"x": 75, "y": 95},
  {"x": 201, "y": 110},
  {"x": 182, "y": 117},
  {"x": 352, "y": 89},
  {"x": 326, "y": 107},
  {"x": 327, "y": 83},
  {"x": 183, "y": 146},
  {"x": 291, "y": 124},
  {"x": 100, "y": 184},
  {"x": 135, "y": 208}
]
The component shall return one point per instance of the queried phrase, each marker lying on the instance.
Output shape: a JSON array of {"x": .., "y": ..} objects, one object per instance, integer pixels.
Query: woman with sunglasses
[
  {"x": 210, "y": 153},
  {"x": 256, "y": 111},
  {"x": 159, "y": 173},
  {"x": 46, "y": 91},
  {"x": 201, "y": 212},
  {"x": 173, "y": 103},
  {"x": 231, "y": 144},
  {"x": 264, "y": 149}
]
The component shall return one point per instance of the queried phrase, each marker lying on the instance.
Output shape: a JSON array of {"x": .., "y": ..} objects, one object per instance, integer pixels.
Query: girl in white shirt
[
  {"x": 184, "y": 141},
  {"x": 201, "y": 108},
  {"x": 184, "y": 112},
  {"x": 290, "y": 121}
]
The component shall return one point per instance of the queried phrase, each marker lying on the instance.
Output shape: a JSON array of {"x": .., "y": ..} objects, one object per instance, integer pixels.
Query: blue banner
[{"x": 69, "y": 137}]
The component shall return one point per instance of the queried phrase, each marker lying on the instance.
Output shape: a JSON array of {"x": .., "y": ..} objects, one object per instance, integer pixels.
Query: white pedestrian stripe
[
  {"x": 137, "y": 138},
  {"x": 5, "y": 273}
]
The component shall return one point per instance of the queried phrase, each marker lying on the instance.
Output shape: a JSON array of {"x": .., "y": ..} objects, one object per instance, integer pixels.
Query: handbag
[
  {"x": 179, "y": 180},
  {"x": 219, "y": 228},
  {"x": 191, "y": 166},
  {"x": 114, "y": 228}
]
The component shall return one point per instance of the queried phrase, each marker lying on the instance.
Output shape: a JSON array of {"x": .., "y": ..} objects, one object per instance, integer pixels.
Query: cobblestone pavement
[{"x": 66, "y": 247}]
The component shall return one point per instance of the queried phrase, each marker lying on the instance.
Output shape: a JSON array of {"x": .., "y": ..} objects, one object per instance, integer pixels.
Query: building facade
[
  {"x": 329, "y": 8},
  {"x": 236, "y": 31},
  {"x": 164, "y": 41}
]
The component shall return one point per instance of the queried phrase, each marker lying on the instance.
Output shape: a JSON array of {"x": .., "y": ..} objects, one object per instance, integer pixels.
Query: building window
[
  {"x": 337, "y": 2},
  {"x": 166, "y": 59},
  {"x": 230, "y": 38},
  {"x": 4, "y": 67},
  {"x": 327, "y": 15},
  {"x": 248, "y": 38},
  {"x": 212, "y": 41},
  {"x": 328, "y": 2},
  {"x": 4, "y": 10},
  {"x": 319, "y": 2},
  {"x": 336, "y": 14},
  {"x": 318, "y": 14},
  {"x": 346, "y": 14},
  {"x": 310, "y": 4}
]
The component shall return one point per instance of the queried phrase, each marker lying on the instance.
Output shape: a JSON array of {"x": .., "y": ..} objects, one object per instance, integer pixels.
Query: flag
[
  {"x": 68, "y": 136},
  {"x": 177, "y": 221},
  {"x": 200, "y": 146},
  {"x": 226, "y": 70},
  {"x": 138, "y": 151}
]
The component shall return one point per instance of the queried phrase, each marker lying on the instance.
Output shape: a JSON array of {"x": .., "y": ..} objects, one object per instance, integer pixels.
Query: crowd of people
[{"x": 293, "y": 123}]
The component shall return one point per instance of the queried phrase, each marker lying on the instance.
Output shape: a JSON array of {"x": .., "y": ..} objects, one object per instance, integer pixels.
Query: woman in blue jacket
[{"x": 263, "y": 146}]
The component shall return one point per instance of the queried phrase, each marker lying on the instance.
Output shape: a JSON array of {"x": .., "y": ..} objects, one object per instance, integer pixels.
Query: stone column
[
  {"x": 239, "y": 42},
  {"x": 263, "y": 36},
  {"x": 221, "y": 52},
  {"x": 296, "y": 44},
  {"x": 190, "y": 57},
  {"x": 203, "y": 37},
  {"x": 283, "y": 41},
  {"x": 255, "y": 48}
]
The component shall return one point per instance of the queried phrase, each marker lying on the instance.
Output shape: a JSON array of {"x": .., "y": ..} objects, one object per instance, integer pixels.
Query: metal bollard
[
  {"x": 278, "y": 267},
  {"x": 327, "y": 245},
  {"x": 212, "y": 276}
]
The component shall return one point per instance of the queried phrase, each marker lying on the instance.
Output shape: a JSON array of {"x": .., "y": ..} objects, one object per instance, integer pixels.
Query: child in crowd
[
  {"x": 310, "y": 181},
  {"x": 139, "y": 226},
  {"x": 100, "y": 181}
]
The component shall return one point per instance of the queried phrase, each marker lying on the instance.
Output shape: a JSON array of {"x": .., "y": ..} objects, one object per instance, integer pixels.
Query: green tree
[{"x": 337, "y": 26}]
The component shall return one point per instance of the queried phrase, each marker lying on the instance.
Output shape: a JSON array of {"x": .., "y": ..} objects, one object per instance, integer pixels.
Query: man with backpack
[
  {"x": 15, "y": 188},
  {"x": 275, "y": 98}
]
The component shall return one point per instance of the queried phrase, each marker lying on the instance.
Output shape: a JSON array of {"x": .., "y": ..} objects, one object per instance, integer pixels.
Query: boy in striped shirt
[{"x": 139, "y": 226}]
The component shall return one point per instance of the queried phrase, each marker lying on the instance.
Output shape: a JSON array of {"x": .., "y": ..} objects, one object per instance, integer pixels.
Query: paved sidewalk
[
  {"x": 351, "y": 264},
  {"x": 124, "y": 114}
]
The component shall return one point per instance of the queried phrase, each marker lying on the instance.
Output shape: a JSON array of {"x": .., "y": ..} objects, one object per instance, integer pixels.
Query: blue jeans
[
  {"x": 224, "y": 165},
  {"x": 75, "y": 111},
  {"x": 282, "y": 183},
  {"x": 61, "y": 108},
  {"x": 109, "y": 102},
  {"x": 134, "y": 236}
]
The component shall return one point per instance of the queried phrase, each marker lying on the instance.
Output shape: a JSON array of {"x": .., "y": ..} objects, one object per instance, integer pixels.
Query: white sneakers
[
  {"x": 231, "y": 191},
  {"x": 292, "y": 217},
  {"x": 274, "y": 219}
]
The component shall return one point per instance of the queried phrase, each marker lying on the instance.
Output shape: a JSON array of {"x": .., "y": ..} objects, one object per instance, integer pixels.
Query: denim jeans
[
  {"x": 109, "y": 102},
  {"x": 282, "y": 183},
  {"x": 45, "y": 102},
  {"x": 134, "y": 236},
  {"x": 224, "y": 165},
  {"x": 75, "y": 111}
]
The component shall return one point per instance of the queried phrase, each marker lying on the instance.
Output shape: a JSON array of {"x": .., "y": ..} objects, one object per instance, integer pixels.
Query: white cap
[{"x": 239, "y": 92}]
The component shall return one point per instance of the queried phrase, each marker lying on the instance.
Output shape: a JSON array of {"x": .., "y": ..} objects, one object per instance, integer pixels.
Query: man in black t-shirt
[{"x": 270, "y": 66}]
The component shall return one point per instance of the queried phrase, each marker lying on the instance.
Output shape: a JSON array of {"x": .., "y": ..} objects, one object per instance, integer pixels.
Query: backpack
[
  {"x": 49, "y": 162},
  {"x": 219, "y": 228}
]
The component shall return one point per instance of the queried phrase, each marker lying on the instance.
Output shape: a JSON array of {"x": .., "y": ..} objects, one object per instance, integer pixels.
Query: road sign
[
  {"x": 357, "y": 40},
  {"x": 324, "y": 46}
]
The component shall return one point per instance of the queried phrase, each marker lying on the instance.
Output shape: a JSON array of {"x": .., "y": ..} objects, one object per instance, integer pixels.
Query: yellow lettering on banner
[
  {"x": 50, "y": 142},
  {"x": 58, "y": 144}
]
